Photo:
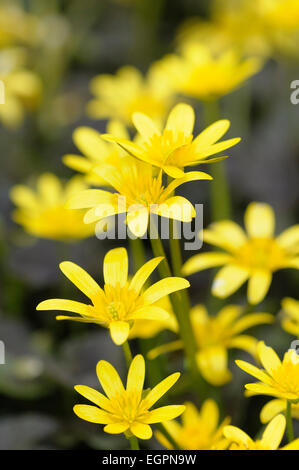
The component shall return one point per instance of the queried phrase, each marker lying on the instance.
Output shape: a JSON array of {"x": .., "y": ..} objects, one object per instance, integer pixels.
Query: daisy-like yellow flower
[
  {"x": 139, "y": 193},
  {"x": 215, "y": 335},
  {"x": 96, "y": 151},
  {"x": 22, "y": 88},
  {"x": 290, "y": 320},
  {"x": 43, "y": 213},
  {"x": 279, "y": 379},
  {"x": 175, "y": 148},
  {"x": 120, "y": 303},
  {"x": 199, "y": 430},
  {"x": 127, "y": 410},
  {"x": 271, "y": 438},
  {"x": 253, "y": 256},
  {"x": 276, "y": 406},
  {"x": 200, "y": 73},
  {"x": 119, "y": 96}
]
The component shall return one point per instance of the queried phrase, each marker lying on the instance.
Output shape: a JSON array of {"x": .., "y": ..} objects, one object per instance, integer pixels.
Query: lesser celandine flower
[
  {"x": 127, "y": 410},
  {"x": 278, "y": 378},
  {"x": 274, "y": 407},
  {"x": 43, "y": 213},
  {"x": 271, "y": 438},
  {"x": 199, "y": 429},
  {"x": 253, "y": 256},
  {"x": 174, "y": 148},
  {"x": 201, "y": 73},
  {"x": 290, "y": 320},
  {"x": 119, "y": 96},
  {"x": 96, "y": 151},
  {"x": 215, "y": 335},
  {"x": 120, "y": 303},
  {"x": 139, "y": 193}
]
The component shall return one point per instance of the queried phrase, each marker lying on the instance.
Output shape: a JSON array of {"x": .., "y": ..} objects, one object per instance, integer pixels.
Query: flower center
[
  {"x": 120, "y": 302},
  {"x": 261, "y": 253}
]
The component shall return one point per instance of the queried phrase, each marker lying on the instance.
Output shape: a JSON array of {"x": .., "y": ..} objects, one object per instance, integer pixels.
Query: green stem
[
  {"x": 127, "y": 353},
  {"x": 220, "y": 194},
  {"x": 290, "y": 431},
  {"x": 138, "y": 252},
  {"x": 134, "y": 443},
  {"x": 182, "y": 316}
]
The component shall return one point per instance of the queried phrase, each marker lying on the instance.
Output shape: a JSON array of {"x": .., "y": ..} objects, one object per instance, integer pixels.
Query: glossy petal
[
  {"x": 119, "y": 331},
  {"x": 204, "y": 261},
  {"x": 81, "y": 279},
  {"x": 116, "y": 267},
  {"x": 92, "y": 414},
  {"x": 258, "y": 286},
  {"x": 164, "y": 287},
  {"x": 259, "y": 220},
  {"x": 228, "y": 280}
]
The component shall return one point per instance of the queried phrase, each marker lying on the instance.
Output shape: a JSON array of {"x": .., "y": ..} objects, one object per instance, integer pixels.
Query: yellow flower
[
  {"x": 174, "y": 148},
  {"x": 271, "y": 438},
  {"x": 44, "y": 213},
  {"x": 278, "y": 379},
  {"x": 120, "y": 303},
  {"x": 139, "y": 193},
  {"x": 96, "y": 152},
  {"x": 215, "y": 335},
  {"x": 203, "y": 74},
  {"x": 16, "y": 25},
  {"x": 22, "y": 88},
  {"x": 119, "y": 96},
  {"x": 252, "y": 257},
  {"x": 276, "y": 406},
  {"x": 290, "y": 321},
  {"x": 199, "y": 430},
  {"x": 150, "y": 328},
  {"x": 127, "y": 410}
]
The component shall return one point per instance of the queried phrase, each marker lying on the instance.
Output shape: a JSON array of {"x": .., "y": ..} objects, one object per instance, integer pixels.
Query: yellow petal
[
  {"x": 211, "y": 134},
  {"x": 258, "y": 285},
  {"x": 90, "y": 198},
  {"x": 81, "y": 279},
  {"x": 186, "y": 177},
  {"x": 149, "y": 312},
  {"x": 235, "y": 434},
  {"x": 164, "y": 413},
  {"x": 271, "y": 409},
  {"x": 89, "y": 142},
  {"x": 225, "y": 234},
  {"x": 212, "y": 363},
  {"x": 220, "y": 146},
  {"x": 191, "y": 415},
  {"x": 228, "y": 280},
  {"x": 294, "y": 445},
  {"x": 291, "y": 307},
  {"x": 144, "y": 273},
  {"x": 65, "y": 305},
  {"x": 259, "y": 220},
  {"x": 77, "y": 163},
  {"x": 92, "y": 414},
  {"x": 135, "y": 378},
  {"x": 268, "y": 357},
  {"x": 116, "y": 428},
  {"x": 245, "y": 342},
  {"x": 93, "y": 395},
  {"x": 140, "y": 430},
  {"x": 250, "y": 320},
  {"x": 137, "y": 220},
  {"x": 145, "y": 126},
  {"x": 119, "y": 331},
  {"x": 209, "y": 414},
  {"x": 289, "y": 238},
  {"x": 177, "y": 208},
  {"x": 254, "y": 371},
  {"x": 262, "y": 389},
  {"x": 110, "y": 380},
  {"x": 274, "y": 432},
  {"x": 228, "y": 315},
  {"x": 164, "y": 287},
  {"x": 23, "y": 197},
  {"x": 116, "y": 267},
  {"x": 204, "y": 261},
  {"x": 159, "y": 390},
  {"x": 49, "y": 188},
  {"x": 181, "y": 119}
]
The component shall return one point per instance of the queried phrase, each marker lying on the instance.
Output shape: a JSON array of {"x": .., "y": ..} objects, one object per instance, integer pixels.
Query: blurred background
[{"x": 50, "y": 50}]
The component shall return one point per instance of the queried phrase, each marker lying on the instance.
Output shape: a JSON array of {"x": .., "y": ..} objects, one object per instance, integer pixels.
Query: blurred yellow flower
[
  {"x": 279, "y": 379},
  {"x": 127, "y": 410},
  {"x": 138, "y": 193},
  {"x": 201, "y": 73},
  {"x": 96, "y": 152},
  {"x": 174, "y": 148},
  {"x": 21, "y": 88},
  {"x": 120, "y": 303},
  {"x": 271, "y": 438},
  {"x": 119, "y": 96},
  {"x": 43, "y": 213},
  {"x": 16, "y": 25},
  {"x": 290, "y": 320},
  {"x": 276, "y": 406},
  {"x": 199, "y": 430},
  {"x": 215, "y": 335},
  {"x": 252, "y": 257}
]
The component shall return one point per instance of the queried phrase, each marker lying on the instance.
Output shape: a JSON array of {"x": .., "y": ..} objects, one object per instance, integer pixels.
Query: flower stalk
[{"x": 290, "y": 430}]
